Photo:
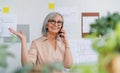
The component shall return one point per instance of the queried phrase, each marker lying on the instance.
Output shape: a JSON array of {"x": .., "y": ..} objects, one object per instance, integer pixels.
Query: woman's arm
[
  {"x": 24, "y": 52},
  {"x": 68, "y": 59}
]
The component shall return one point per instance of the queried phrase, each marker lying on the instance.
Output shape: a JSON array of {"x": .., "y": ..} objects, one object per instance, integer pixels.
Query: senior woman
[{"x": 51, "y": 47}]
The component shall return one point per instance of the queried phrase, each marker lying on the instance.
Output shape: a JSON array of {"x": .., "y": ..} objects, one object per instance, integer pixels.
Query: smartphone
[
  {"x": 60, "y": 34},
  {"x": 60, "y": 31}
]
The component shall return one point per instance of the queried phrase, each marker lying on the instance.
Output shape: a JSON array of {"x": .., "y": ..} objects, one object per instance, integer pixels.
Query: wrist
[
  {"x": 23, "y": 40},
  {"x": 66, "y": 46}
]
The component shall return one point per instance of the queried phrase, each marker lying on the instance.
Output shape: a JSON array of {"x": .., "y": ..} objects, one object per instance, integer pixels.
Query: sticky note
[
  {"x": 6, "y": 9},
  {"x": 51, "y": 6}
]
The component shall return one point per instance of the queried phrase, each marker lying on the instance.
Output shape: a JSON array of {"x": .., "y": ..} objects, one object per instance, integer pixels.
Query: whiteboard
[{"x": 82, "y": 51}]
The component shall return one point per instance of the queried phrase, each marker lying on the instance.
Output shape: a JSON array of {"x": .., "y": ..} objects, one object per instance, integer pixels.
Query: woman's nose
[{"x": 56, "y": 24}]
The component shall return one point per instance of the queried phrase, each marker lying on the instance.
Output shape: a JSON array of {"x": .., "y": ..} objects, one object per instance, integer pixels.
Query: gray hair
[{"x": 50, "y": 16}]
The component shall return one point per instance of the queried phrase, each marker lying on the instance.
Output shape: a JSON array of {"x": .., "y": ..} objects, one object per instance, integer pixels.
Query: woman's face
[{"x": 55, "y": 25}]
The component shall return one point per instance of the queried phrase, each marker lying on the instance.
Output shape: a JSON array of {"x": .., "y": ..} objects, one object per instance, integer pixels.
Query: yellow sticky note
[
  {"x": 6, "y": 9},
  {"x": 51, "y": 6}
]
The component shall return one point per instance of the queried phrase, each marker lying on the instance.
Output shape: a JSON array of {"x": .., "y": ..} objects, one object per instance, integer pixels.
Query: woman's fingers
[
  {"x": 63, "y": 32},
  {"x": 19, "y": 33},
  {"x": 13, "y": 31}
]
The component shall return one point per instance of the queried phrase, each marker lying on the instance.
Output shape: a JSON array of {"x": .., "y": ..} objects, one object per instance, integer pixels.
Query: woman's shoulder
[{"x": 39, "y": 39}]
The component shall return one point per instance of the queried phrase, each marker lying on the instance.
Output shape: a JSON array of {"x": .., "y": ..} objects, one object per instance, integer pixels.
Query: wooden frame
[{"x": 87, "y": 14}]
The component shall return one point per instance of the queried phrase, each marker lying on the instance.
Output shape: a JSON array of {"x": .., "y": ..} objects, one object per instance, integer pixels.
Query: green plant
[
  {"x": 24, "y": 69},
  {"x": 109, "y": 28},
  {"x": 3, "y": 55},
  {"x": 52, "y": 67},
  {"x": 105, "y": 24},
  {"x": 84, "y": 68},
  {"x": 108, "y": 44}
]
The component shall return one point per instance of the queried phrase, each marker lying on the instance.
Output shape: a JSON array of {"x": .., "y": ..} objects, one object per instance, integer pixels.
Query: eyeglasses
[{"x": 60, "y": 23}]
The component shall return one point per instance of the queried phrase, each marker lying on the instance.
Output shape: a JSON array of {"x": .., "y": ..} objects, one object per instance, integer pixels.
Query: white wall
[{"x": 33, "y": 12}]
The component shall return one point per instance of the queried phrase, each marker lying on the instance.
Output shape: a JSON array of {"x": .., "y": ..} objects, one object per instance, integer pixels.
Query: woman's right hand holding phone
[{"x": 19, "y": 34}]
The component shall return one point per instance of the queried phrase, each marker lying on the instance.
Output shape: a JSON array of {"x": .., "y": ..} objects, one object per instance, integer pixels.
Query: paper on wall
[
  {"x": 6, "y": 21},
  {"x": 86, "y": 23},
  {"x": 0, "y": 27}
]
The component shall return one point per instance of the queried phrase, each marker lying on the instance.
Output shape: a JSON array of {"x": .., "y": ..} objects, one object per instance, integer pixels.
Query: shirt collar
[{"x": 44, "y": 38}]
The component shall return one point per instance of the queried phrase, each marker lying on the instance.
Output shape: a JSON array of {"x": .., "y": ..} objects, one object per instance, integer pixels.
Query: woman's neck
[{"x": 51, "y": 36}]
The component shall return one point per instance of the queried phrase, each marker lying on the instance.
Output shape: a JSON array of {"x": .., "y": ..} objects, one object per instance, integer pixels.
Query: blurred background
[{"x": 29, "y": 15}]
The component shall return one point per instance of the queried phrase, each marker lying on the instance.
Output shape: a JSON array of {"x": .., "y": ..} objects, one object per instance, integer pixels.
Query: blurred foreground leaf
[
  {"x": 85, "y": 68},
  {"x": 24, "y": 69},
  {"x": 3, "y": 55},
  {"x": 49, "y": 68}
]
